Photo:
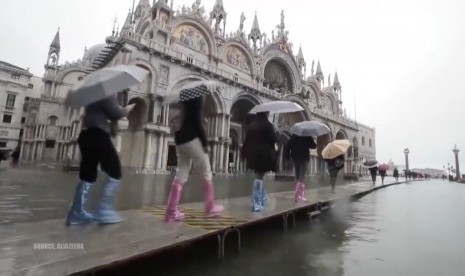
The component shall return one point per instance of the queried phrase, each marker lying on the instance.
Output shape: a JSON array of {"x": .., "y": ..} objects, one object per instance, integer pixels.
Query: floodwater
[
  {"x": 37, "y": 193},
  {"x": 408, "y": 229}
]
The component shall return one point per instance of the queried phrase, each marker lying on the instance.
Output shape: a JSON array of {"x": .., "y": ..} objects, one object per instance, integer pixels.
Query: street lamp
[
  {"x": 455, "y": 150},
  {"x": 406, "y": 151}
]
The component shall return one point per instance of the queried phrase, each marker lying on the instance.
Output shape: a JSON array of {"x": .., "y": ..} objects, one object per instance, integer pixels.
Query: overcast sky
[{"x": 400, "y": 62}]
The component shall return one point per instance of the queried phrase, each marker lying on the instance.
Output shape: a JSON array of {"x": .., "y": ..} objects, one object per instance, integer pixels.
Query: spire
[
  {"x": 255, "y": 34},
  {"x": 143, "y": 9},
  {"x": 300, "y": 55},
  {"x": 255, "y": 27},
  {"x": 128, "y": 23},
  {"x": 56, "y": 41},
  {"x": 319, "y": 72},
  {"x": 336, "y": 80},
  {"x": 218, "y": 14}
]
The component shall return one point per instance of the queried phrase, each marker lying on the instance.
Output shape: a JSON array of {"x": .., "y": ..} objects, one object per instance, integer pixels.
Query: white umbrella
[
  {"x": 335, "y": 148},
  {"x": 309, "y": 128},
  {"x": 191, "y": 90},
  {"x": 105, "y": 83},
  {"x": 276, "y": 107}
]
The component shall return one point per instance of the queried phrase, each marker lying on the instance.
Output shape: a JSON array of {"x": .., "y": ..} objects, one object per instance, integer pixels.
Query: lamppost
[
  {"x": 406, "y": 151},
  {"x": 455, "y": 150}
]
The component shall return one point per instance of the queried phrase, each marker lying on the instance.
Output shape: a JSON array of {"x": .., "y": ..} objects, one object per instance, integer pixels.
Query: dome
[{"x": 94, "y": 52}]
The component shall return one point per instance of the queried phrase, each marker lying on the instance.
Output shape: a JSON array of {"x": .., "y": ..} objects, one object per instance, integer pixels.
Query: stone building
[
  {"x": 184, "y": 45},
  {"x": 14, "y": 85}
]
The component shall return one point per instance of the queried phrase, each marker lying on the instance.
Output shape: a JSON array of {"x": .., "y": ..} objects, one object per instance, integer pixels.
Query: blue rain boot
[
  {"x": 257, "y": 201},
  {"x": 77, "y": 214},
  {"x": 263, "y": 195},
  {"x": 106, "y": 213}
]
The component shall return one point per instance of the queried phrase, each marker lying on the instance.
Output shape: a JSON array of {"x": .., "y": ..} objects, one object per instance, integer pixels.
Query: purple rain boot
[{"x": 172, "y": 212}]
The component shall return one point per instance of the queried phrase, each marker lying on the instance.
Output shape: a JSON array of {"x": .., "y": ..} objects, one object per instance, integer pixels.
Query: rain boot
[
  {"x": 211, "y": 209},
  {"x": 299, "y": 194},
  {"x": 106, "y": 213},
  {"x": 172, "y": 212},
  {"x": 257, "y": 200},
  {"x": 77, "y": 213}
]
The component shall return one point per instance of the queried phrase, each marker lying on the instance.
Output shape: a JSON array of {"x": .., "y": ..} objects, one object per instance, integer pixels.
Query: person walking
[
  {"x": 298, "y": 149},
  {"x": 334, "y": 166},
  {"x": 97, "y": 148},
  {"x": 382, "y": 173},
  {"x": 260, "y": 154},
  {"x": 395, "y": 173},
  {"x": 191, "y": 145},
  {"x": 373, "y": 173}
]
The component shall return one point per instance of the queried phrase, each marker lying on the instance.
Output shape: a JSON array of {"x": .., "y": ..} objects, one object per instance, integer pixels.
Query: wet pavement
[{"x": 45, "y": 192}]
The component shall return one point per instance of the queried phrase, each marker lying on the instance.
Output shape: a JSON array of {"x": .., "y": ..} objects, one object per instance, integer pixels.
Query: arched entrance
[
  {"x": 348, "y": 161},
  {"x": 240, "y": 120}
]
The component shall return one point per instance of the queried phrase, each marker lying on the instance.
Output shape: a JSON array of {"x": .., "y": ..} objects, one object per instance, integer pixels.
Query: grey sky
[{"x": 400, "y": 59}]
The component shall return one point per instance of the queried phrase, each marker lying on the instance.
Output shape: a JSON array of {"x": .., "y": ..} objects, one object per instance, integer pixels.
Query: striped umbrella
[{"x": 191, "y": 90}]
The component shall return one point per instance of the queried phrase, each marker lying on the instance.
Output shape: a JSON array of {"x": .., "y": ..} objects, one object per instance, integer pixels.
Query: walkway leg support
[
  {"x": 222, "y": 239},
  {"x": 286, "y": 220}
]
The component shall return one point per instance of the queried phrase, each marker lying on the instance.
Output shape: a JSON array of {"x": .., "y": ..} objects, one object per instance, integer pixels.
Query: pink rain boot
[
  {"x": 211, "y": 209},
  {"x": 172, "y": 212},
  {"x": 299, "y": 193}
]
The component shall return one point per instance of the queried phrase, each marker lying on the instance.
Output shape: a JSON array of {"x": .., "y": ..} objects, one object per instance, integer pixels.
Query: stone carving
[
  {"x": 236, "y": 57},
  {"x": 241, "y": 25},
  {"x": 190, "y": 36},
  {"x": 164, "y": 71}
]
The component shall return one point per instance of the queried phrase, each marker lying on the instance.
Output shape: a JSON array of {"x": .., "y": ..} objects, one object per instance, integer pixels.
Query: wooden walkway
[{"x": 43, "y": 248}]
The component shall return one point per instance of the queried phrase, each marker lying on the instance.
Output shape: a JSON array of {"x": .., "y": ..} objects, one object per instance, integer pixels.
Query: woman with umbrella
[
  {"x": 97, "y": 148},
  {"x": 373, "y": 171},
  {"x": 260, "y": 153},
  {"x": 333, "y": 154},
  {"x": 191, "y": 145},
  {"x": 97, "y": 92},
  {"x": 382, "y": 172},
  {"x": 298, "y": 149}
]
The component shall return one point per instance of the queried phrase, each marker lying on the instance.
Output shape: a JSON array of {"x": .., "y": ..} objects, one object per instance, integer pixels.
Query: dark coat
[
  {"x": 259, "y": 145},
  {"x": 298, "y": 148},
  {"x": 335, "y": 164},
  {"x": 382, "y": 173},
  {"x": 192, "y": 126},
  {"x": 395, "y": 173},
  {"x": 373, "y": 170}
]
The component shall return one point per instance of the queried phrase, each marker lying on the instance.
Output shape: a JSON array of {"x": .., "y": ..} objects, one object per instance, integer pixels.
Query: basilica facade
[{"x": 180, "y": 46}]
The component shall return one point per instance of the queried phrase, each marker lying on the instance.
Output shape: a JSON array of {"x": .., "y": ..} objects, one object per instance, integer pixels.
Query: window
[
  {"x": 190, "y": 59},
  {"x": 7, "y": 118},
  {"x": 369, "y": 143},
  {"x": 52, "y": 120},
  {"x": 27, "y": 99},
  {"x": 49, "y": 144},
  {"x": 363, "y": 141},
  {"x": 10, "y": 100},
  {"x": 236, "y": 78},
  {"x": 15, "y": 76},
  {"x": 21, "y": 132},
  {"x": 30, "y": 86},
  {"x": 2, "y": 144},
  {"x": 23, "y": 120}
]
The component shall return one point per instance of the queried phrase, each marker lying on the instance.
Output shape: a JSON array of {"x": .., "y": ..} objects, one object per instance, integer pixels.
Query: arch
[
  {"x": 138, "y": 115},
  {"x": 277, "y": 74},
  {"x": 287, "y": 60},
  {"x": 220, "y": 104},
  {"x": 341, "y": 134},
  {"x": 363, "y": 140},
  {"x": 52, "y": 120},
  {"x": 189, "y": 32},
  {"x": 149, "y": 67},
  {"x": 234, "y": 53},
  {"x": 321, "y": 143},
  {"x": 32, "y": 115},
  {"x": 298, "y": 100},
  {"x": 142, "y": 27}
]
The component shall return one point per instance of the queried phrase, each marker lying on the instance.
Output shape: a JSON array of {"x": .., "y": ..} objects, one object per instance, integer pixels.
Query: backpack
[{"x": 176, "y": 117}]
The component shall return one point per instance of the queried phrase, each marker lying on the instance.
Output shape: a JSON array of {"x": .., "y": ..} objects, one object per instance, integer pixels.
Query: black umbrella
[
  {"x": 370, "y": 163},
  {"x": 191, "y": 90}
]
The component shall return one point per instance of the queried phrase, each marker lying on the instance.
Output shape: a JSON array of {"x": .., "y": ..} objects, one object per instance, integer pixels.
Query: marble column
[
  {"x": 214, "y": 158},
  {"x": 160, "y": 151},
  {"x": 221, "y": 159},
  {"x": 165, "y": 153},
  {"x": 148, "y": 149},
  {"x": 226, "y": 158}
]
